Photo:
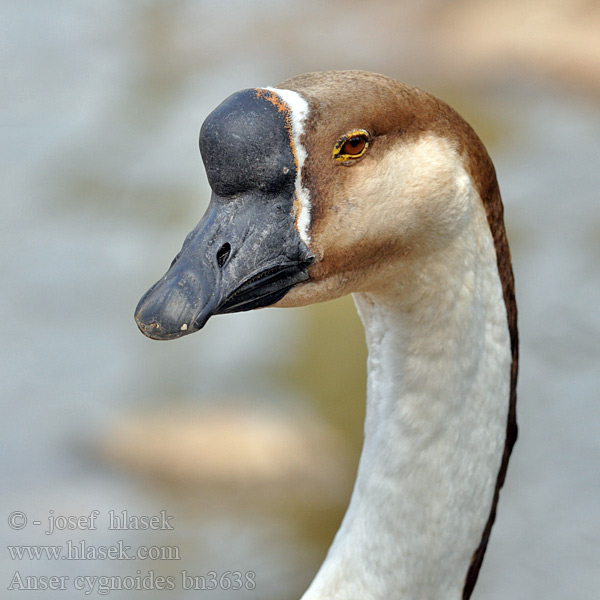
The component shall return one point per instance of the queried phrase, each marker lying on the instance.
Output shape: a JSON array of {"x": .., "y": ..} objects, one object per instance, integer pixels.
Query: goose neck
[{"x": 435, "y": 429}]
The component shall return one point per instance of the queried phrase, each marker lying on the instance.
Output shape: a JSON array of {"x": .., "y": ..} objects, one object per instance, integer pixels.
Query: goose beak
[{"x": 245, "y": 253}]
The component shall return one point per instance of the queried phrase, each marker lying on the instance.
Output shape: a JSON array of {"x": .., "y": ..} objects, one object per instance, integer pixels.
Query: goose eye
[
  {"x": 352, "y": 145},
  {"x": 355, "y": 145}
]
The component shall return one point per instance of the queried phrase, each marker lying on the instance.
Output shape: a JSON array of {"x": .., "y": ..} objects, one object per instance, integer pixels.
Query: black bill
[{"x": 246, "y": 252}]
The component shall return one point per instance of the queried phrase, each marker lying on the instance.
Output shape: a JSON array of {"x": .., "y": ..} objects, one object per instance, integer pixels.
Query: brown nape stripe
[
  {"x": 484, "y": 175},
  {"x": 450, "y": 124}
]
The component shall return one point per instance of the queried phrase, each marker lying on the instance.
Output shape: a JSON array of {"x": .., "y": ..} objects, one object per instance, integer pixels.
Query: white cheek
[{"x": 416, "y": 191}]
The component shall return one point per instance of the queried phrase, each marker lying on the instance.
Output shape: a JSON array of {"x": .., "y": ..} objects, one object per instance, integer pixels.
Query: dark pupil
[{"x": 354, "y": 145}]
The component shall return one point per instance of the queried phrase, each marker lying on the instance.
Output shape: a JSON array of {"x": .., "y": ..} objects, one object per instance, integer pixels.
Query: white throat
[{"x": 437, "y": 405}]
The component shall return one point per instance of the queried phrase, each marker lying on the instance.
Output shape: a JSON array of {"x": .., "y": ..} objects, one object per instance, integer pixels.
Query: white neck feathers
[{"x": 437, "y": 403}]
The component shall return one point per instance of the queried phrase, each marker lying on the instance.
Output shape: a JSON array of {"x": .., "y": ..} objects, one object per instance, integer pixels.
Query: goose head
[
  {"x": 351, "y": 182},
  {"x": 320, "y": 186}
]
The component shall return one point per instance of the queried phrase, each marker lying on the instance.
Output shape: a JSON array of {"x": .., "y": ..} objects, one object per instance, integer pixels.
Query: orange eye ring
[{"x": 351, "y": 146}]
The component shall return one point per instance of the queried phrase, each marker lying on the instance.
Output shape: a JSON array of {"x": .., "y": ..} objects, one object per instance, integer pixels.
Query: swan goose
[{"x": 351, "y": 182}]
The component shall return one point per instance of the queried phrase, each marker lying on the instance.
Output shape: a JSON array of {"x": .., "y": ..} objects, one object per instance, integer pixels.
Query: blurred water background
[{"x": 248, "y": 433}]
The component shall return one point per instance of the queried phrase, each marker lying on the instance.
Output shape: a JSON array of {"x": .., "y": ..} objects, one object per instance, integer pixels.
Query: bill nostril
[{"x": 223, "y": 254}]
